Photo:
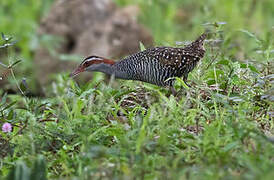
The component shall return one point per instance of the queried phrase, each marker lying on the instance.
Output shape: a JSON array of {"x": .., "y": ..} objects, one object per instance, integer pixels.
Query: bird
[{"x": 156, "y": 65}]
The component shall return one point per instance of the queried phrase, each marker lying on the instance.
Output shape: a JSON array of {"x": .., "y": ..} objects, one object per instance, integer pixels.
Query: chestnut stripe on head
[{"x": 96, "y": 60}]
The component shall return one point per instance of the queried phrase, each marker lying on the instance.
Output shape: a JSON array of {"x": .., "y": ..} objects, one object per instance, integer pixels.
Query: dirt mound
[{"x": 88, "y": 27}]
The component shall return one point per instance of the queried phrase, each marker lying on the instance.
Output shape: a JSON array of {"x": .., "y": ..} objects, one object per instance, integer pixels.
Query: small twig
[
  {"x": 197, "y": 126},
  {"x": 213, "y": 59},
  {"x": 3, "y": 65},
  {"x": 16, "y": 82},
  {"x": 47, "y": 120},
  {"x": 229, "y": 76}
]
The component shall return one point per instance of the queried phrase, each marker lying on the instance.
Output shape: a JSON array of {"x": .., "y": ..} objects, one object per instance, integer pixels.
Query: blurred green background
[{"x": 219, "y": 128}]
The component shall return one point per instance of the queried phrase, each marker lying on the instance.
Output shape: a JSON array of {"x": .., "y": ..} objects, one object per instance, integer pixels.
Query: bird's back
[{"x": 156, "y": 65}]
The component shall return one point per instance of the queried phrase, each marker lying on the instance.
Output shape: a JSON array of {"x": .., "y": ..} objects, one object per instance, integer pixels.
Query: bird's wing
[{"x": 173, "y": 57}]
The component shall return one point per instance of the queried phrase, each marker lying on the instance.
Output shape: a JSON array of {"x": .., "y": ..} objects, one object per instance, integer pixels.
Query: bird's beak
[{"x": 76, "y": 72}]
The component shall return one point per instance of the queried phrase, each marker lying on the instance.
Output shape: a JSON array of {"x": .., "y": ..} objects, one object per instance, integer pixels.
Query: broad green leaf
[
  {"x": 16, "y": 62},
  {"x": 224, "y": 62},
  {"x": 251, "y": 35},
  {"x": 19, "y": 172},
  {"x": 142, "y": 47},
  {"x": 39, "y": 170}
]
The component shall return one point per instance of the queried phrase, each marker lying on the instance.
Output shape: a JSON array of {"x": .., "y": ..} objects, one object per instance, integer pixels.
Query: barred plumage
[{"x": 153, "y": 65}]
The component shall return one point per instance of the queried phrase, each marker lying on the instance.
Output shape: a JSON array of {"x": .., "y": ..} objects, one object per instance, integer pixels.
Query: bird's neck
[
  {"x": 102, "y": 67},
  {"x": 110, "y": 69}
]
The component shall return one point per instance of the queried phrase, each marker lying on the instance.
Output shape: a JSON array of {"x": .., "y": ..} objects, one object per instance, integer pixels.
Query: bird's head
[{"x": 91, "y": 63}]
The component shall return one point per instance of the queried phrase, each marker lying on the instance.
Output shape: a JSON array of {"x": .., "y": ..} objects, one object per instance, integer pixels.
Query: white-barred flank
[{"x": 156, "y": 65}]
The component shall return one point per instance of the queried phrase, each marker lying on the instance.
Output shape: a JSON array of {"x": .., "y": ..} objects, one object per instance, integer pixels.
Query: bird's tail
[{"x": 199, "y": 42}]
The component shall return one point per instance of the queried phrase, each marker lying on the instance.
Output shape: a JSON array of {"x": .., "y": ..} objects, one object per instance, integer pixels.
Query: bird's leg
[
  {"x": 173, "y": 90},
  {"x": 185, "y": 80}
]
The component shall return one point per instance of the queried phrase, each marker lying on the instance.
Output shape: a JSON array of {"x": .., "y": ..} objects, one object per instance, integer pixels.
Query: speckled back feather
[{"x": 156, "y": 65}]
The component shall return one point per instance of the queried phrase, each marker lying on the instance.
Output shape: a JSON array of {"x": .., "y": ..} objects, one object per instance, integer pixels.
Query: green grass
[{"x": 219, "y": 128}]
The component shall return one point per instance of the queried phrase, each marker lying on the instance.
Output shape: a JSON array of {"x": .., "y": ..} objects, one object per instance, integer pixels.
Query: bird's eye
[{"x": 86, "y": 63}]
